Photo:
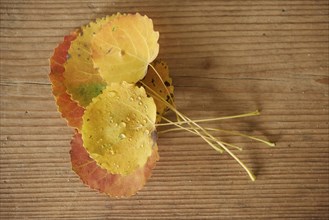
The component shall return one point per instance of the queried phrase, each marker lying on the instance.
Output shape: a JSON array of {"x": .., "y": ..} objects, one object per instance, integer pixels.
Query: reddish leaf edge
[
  {"x": 97, "y": 178},
  {"x": 70, "y": 110}
]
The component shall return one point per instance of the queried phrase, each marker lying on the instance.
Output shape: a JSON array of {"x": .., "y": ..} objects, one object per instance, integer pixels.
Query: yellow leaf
[
  {"x": 82, "y": 81},
  {"x": 118, "y": 128},
  {"x": 158, "y": 80},
  {"x": 124, "y": 47}
]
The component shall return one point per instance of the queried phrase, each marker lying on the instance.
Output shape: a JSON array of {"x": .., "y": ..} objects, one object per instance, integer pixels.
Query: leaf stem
[
  {"x": 179, "y": 128},
  {"x": 194, "y": 124},
  {"x": 207, "y": 139},
  {"x": 226, "y": 131},
  {"x": 251, "y": 175},
  {"x": 188, "y": 121},
  {"x": 253, "y": 113}
]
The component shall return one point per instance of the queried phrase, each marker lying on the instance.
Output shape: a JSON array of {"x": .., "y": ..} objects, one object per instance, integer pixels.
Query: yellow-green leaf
[
  {"x": 81, "y": 79},
  {"x": 118, "y": 128}
]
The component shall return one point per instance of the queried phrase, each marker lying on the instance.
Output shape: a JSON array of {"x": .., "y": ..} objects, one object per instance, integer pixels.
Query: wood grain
[{"x": 225, "y": 57}]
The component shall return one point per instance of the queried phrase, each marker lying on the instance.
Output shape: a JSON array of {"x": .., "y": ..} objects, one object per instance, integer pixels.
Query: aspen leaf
[
  {"x": 82, "y": 81},
  {"x": 100, "y": 179},
  {"x": 158, "y": 80},
  {"x": 124, "y": 47},
  {"x": 69, "y": 108},
  {"x": 118, "y": 126}
]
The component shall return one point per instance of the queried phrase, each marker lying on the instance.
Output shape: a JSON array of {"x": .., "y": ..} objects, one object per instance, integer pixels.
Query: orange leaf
[
  {"x": 114, "y": 185},
  {"x": 69, "y": 109}
]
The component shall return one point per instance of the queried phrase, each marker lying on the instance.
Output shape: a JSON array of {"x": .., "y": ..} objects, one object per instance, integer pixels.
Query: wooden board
[{"x": 225, "y": 57}]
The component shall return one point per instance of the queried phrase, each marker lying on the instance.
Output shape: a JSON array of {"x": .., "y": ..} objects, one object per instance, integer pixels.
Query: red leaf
[
  {"x": 69, "y": 108},
  {"x": 112, "y": 184}
]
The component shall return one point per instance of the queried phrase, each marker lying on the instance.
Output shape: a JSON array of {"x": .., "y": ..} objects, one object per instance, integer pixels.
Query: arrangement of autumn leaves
[
  {"x": 110, "y": 88},
  {"x": 97, "y": 74}
]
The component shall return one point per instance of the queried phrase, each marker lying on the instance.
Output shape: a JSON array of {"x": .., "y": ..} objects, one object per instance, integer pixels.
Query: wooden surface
[{"x": 225, "y": 57}]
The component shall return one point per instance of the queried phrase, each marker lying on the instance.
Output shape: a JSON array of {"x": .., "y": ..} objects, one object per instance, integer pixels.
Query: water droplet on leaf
[{"x": 122, "y": 136}]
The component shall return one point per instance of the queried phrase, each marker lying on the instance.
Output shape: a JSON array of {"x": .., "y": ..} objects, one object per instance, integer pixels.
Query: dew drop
[
  {"x": 128, "y": 119},
  {"x": 147, "y": 132},
  {"x": 116, "y": 125},
  {"x": 122, "y": 136},
  {"x": 116, "y": 165},
  {"x": 122, "y": 124},
  {"x": 131, "y": 99},
  {"x": 140, "y": 103},
  {"x": 139, "y": 98}
]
